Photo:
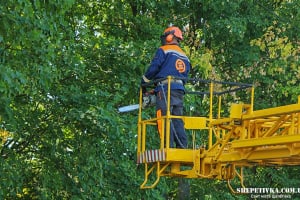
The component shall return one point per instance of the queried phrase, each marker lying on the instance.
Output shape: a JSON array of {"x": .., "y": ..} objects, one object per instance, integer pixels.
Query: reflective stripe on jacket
[{"x": 169, "y": 60}]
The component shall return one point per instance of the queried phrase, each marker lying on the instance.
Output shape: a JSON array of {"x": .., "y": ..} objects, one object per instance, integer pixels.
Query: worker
[{"x": 170, "y": 60}]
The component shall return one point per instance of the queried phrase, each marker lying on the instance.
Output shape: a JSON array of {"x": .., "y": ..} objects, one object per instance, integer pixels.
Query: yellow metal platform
[{"x": 244, "y": 138}]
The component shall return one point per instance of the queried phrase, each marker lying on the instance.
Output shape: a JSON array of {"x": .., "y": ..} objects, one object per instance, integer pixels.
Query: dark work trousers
[{"x": 177, "y": 134}]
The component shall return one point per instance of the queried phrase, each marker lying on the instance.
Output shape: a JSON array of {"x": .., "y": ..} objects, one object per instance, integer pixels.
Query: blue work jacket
[{"x": 169, "y": 60}]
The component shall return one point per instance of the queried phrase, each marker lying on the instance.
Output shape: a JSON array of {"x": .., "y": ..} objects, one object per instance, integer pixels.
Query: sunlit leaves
[
  {"x": 280, "y": 58},
  {"x": 67, "y": 65},
  {"x": 274, "y": 45}
]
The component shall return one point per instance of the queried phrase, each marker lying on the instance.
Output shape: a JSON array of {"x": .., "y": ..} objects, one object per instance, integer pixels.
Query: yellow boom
[{"x": 244, "y": 138}]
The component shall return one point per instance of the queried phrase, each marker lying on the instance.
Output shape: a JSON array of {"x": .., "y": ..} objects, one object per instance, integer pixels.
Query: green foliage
[{"x": 67, "y": 65}]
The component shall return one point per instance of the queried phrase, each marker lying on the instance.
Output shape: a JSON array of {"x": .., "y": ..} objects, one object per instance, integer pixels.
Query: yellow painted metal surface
[
  {"x": 244, "y": 138},
  {"x": 195, "y": 122},
  {"x": 275, "y": 140},
  {"x": 236, "y": 111},
  {"x": 180, "y": 155}
]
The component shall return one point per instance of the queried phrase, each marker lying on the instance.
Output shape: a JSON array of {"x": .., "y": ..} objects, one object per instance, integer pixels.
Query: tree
[{"x": 66, "y": 66}]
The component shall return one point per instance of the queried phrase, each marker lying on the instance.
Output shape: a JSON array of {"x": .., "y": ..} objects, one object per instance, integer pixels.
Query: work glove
[{"x": 149, "y": 99}]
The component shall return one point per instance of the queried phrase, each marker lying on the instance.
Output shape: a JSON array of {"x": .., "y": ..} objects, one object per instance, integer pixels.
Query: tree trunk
[{"x": 183, "y": 189}]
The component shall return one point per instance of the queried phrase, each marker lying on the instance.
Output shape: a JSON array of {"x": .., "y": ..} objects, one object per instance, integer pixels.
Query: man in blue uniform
[{"x": 170, "y": 60}]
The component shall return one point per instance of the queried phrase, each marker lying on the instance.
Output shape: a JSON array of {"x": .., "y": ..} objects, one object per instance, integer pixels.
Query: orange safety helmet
[{"x": 172, "y": 31}]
